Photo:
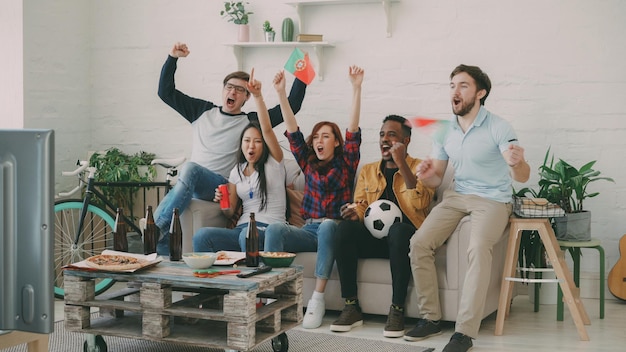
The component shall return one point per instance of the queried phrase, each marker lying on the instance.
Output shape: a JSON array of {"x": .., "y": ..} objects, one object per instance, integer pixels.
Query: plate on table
[
  {"x": 115, "y": 261},
  {"x": 229, "y": 257}
]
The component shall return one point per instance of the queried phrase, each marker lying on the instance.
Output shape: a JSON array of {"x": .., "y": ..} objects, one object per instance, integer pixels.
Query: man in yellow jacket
[{"x": 392, "y": 178}]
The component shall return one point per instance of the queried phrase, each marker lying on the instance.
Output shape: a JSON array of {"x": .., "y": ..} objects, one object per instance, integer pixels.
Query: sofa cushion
[{"x": 294, "y": 201}]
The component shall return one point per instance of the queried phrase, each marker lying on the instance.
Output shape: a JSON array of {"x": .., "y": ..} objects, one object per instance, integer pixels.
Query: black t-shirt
[{"x": 388, "y": 192}]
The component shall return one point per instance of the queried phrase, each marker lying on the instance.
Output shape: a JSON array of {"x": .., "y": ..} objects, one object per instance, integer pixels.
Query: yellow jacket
[{"x": 371, "y": 184}]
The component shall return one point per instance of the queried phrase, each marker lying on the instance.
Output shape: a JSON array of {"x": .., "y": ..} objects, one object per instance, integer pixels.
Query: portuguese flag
[
  {"x": 435, "y": 128},
  {"x": 300, "y": 65}
]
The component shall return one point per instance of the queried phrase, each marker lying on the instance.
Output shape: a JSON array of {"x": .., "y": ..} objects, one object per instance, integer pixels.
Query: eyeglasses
[{"x": 238, "y": 89}]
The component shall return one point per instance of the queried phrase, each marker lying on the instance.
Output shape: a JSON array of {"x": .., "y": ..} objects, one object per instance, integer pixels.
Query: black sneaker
[
  {"x": 458, "y": 343},
  {"x": 349, "y": 318},
  {"x": 424, "y": 328},
  {"x": 395, "y": 323}
]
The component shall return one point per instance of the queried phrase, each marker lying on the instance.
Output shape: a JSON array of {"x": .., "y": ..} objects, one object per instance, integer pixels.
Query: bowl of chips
[
  {"x": 277, "y": 259},
  {"x": 199, "y": 260}
]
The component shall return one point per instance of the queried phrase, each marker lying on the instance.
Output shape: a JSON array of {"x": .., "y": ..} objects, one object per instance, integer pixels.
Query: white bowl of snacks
[{"x": 199, "y": 260}]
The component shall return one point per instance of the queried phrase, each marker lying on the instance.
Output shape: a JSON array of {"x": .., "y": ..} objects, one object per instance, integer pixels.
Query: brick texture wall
[{"x": 92, "y": 67}]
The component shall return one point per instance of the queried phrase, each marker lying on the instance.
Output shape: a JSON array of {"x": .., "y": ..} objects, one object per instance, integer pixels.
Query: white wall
[
  {"x": 557, "y": 70},
  {"x": 11, "y": 63}
]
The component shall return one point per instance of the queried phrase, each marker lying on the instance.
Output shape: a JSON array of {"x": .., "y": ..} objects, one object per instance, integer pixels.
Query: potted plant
[
  {"x": 114, "y": 165},
  {"x": 564, "y": 185},
  {"x": 236, "y": 12},
  {"x": 269, "y": 31}
]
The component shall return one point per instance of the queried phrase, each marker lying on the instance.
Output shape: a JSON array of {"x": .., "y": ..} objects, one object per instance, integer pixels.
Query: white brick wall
[{"x": 91, "y": 72}]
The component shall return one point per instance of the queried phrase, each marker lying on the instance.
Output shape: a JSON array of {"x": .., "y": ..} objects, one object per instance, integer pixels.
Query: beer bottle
[
  {"x": 150, "y": 233},
  {"x": 176, "y": 237},
  {"x": 120, "y": 241},
  {"x": 252, "y": 243}
]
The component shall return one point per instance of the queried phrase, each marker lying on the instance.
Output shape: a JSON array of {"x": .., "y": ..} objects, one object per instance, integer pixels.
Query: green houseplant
[
  {"x": 562, "y": 184},
  {"x": 287, "y": 30},
  {"x": 114, "y": 165},
  {"x": 565, "y": 185},
  {"x": 267, "y": 27},
  {"x": 236, "y": 12},
  {"x": 269, "y": 31}
]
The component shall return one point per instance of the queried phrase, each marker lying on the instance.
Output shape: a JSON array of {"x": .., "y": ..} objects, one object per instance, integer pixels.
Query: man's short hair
[
  {"x": 406, "y": 125},
  {"x": 238, "y": 75},
  {"x": 481, "y": 78}
]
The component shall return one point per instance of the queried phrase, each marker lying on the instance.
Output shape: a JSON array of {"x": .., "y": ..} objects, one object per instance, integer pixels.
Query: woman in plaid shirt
[{"x": 329, "y": 167}]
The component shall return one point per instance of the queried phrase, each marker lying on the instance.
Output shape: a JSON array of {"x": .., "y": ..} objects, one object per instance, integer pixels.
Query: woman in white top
[{"x": 257, "y": 182}]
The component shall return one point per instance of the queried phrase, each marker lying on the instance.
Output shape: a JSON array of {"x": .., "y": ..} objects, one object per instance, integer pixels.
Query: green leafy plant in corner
[
  {"x": 567, "y": 186},
  {"x": 560, "y": 183},
  {"x": 267, "y": 27},
  {"x": 236, "y": 12},
  {"x": 113, "y": 165}
]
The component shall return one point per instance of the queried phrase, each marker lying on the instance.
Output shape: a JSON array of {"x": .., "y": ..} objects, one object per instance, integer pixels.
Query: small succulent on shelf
[
  {"x": 267, "y": 27},
  {"x": 236, "y": 12}
]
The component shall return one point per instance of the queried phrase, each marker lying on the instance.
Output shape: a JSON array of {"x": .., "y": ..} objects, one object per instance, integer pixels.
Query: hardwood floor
[{"x": 524, "y": 330}]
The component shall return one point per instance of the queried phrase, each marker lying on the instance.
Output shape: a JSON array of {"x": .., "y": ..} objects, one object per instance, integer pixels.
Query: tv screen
[{"x": 27, "y": 230}]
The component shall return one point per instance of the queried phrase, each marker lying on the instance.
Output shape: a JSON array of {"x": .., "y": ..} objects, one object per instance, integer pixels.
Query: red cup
[{"x": 225, "y": 201}]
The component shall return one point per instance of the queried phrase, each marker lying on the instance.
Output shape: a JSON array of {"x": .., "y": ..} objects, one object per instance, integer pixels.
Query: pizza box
[{"x": 148, "y": 261}]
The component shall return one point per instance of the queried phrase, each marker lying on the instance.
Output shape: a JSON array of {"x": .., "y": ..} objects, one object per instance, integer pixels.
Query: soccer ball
[{"x": 379, "y": 217}]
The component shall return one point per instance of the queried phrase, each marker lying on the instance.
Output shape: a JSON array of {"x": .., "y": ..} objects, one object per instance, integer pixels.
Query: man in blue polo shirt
[{"x": 486, "y": 157}]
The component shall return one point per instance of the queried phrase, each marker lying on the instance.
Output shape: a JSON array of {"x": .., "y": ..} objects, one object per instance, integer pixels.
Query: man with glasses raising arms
[{"x": 215, "y": 137}]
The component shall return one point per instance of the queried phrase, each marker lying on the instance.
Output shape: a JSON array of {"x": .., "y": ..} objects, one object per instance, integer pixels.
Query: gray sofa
[{"x": 374, "y": 276}]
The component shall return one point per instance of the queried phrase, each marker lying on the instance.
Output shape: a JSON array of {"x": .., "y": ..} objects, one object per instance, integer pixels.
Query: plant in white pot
[
  {"x": 236, "y": 12},
  {"x": 269, "y": 31}
]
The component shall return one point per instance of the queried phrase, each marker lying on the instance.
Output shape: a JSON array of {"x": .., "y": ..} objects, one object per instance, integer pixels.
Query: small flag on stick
[
  {"x": 437, "y": 129},
  {"x": 300, "y": 65}
]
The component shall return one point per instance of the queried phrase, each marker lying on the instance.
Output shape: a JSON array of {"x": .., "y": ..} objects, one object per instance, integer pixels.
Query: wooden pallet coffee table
[{"x": 218, "y": 312}]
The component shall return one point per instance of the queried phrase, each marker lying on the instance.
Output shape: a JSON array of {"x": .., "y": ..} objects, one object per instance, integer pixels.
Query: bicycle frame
[
  {"x": 83, "y": 228},
  {"x": 89, "y": 193},
  {"x": 91, "y": 190}
]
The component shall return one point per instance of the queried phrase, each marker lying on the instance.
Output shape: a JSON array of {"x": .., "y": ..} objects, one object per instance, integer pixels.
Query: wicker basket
[{"x": 536, "y": 208}]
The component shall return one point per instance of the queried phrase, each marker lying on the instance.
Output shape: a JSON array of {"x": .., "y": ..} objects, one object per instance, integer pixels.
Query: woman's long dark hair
[
  {"x": 259, "y": 166},
  {"x": 338, "y": 152}
]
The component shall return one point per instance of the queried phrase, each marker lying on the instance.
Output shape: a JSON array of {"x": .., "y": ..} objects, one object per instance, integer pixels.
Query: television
[{"x": 27, "y": 230}]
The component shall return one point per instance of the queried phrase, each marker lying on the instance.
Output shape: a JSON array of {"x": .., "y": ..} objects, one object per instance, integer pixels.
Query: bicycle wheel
[{"x": 96, "y": 236}]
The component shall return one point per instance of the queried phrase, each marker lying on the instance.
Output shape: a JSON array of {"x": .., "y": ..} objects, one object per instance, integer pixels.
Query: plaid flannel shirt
[{"x": 327, "y": 188}]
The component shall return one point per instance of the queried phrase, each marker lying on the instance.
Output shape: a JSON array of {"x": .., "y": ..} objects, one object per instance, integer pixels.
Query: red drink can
[{"x": 225, "y": 201}]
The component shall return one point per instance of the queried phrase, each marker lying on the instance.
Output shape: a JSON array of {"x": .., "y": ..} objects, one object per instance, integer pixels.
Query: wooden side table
[{"x": 566, "y": 282}]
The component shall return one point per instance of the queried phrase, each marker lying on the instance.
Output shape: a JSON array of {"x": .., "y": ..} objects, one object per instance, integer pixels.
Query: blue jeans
[
  {"x": 314, "y": 237},
  {"x": 194, "y": 181},
  {"x": 213, "y": 239}
]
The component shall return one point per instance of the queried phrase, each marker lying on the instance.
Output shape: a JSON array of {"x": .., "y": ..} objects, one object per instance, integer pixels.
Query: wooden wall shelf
[
  {"x": 318, "y": 48},
  {"x": 302, "y": 4}
]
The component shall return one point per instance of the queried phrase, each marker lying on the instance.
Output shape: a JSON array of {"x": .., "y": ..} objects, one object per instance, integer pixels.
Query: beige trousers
[{"x": 488, "y": 221}]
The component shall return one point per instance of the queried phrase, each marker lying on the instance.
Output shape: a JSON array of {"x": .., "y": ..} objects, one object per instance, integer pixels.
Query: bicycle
[{"x": 83, "y": 229}]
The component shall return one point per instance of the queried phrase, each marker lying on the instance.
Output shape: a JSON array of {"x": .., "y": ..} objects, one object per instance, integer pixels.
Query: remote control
[{"x": 260, "y": 270}]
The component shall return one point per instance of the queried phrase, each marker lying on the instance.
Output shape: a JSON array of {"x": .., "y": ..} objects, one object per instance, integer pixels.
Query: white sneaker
[{"x": 314, "y": 314}]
